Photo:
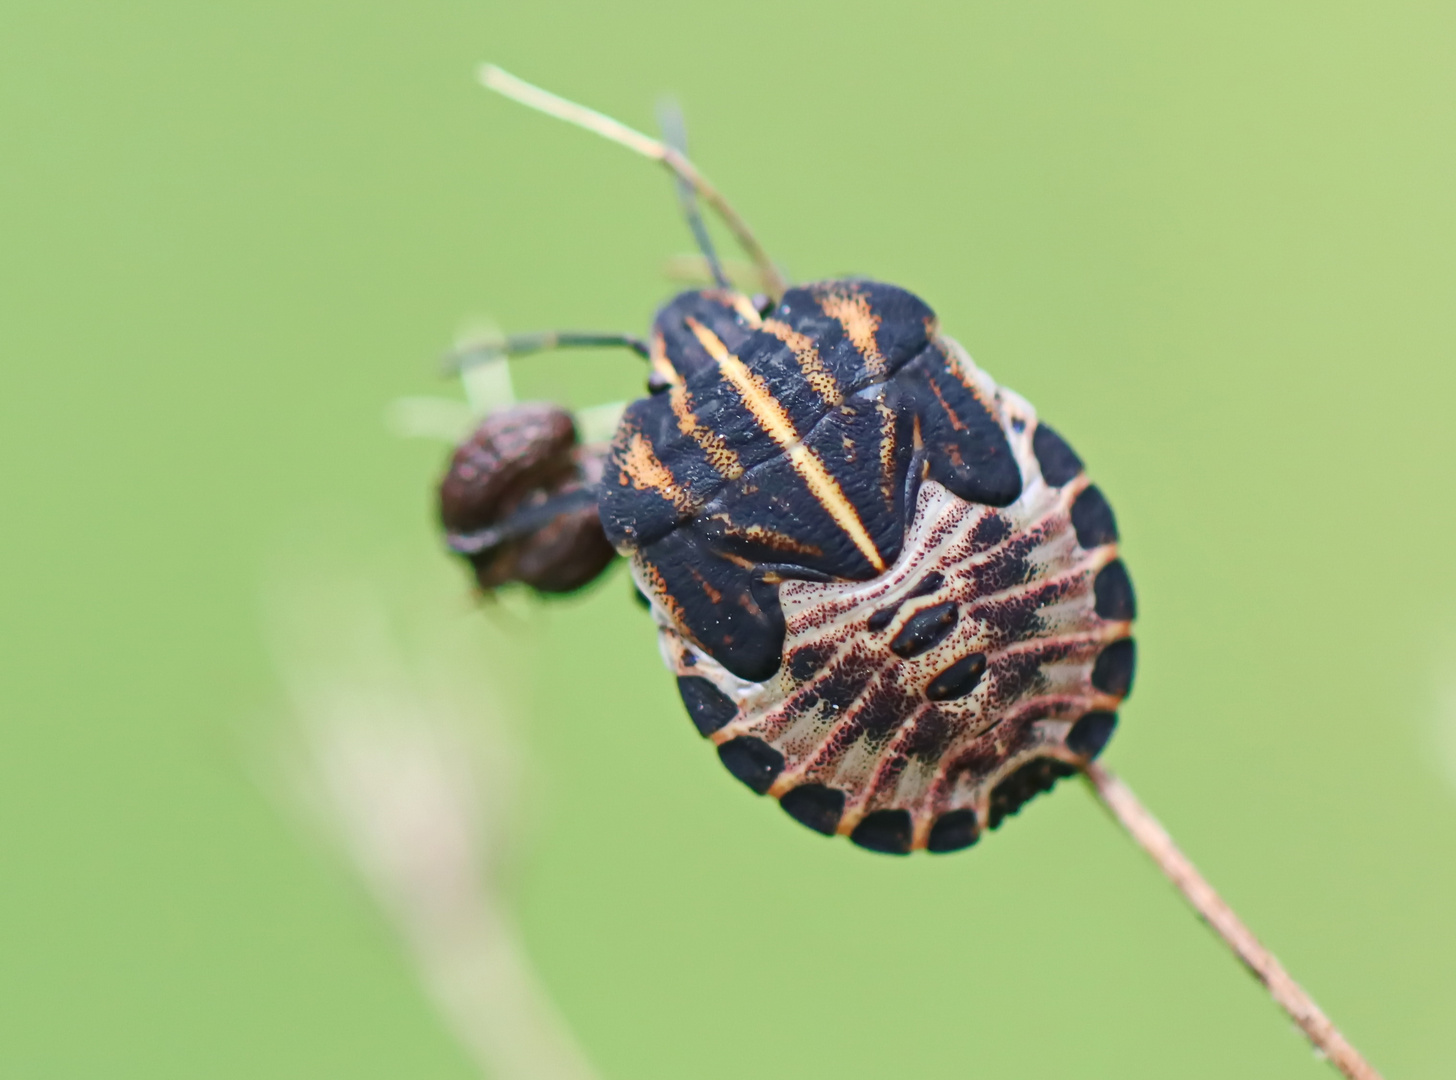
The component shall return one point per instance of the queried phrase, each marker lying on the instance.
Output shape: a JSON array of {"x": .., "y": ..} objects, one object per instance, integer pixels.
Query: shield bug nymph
[{"x": 890, "y": 595}]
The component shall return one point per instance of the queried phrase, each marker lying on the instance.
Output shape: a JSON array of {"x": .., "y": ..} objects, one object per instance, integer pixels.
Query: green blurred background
[{"x": 1216, "y": 246}]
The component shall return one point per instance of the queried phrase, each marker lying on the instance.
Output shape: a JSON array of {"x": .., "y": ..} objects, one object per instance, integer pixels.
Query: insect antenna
[
  {"x": 675, "y": 135},
  {"x": 502, "y": 82}
]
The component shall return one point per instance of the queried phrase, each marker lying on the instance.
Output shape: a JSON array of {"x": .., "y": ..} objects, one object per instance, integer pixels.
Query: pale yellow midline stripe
[{"x": 776, "y": 423}]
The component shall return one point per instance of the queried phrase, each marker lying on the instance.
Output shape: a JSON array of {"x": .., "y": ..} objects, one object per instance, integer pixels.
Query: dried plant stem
[
  {"x": 1154, "y": 839},
  {"x": 503, "y": 82}
]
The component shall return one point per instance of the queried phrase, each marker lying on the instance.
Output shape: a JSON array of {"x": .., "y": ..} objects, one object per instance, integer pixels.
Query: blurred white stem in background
[
  {"x": 1445, "y": 717},
  {"x": 598, "y": 423},
  {"x": 488, "y": 385},
  {"x": 410, "y": 772},
  {"x": 439, "y": 418},
  {"x": 485, "y": 373},
  {"x": 452, "y": 421},
  {"x": 485, "y": 378}
]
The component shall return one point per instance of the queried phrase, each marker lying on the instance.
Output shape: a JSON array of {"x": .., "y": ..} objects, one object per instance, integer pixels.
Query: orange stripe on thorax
[
  {"x": 720, "y": 455},
  {"x": 642, "y": 469},
  {"x": 774, "y": 421},
  {"x": 806, "y": 353},
  {"x": 853, "y": 312}
]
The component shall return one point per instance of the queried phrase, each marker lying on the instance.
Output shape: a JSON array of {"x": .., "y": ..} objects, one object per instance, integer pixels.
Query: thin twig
[
  {"x": 503, "y": 82},
  {"x": 1154, "y": 839}
]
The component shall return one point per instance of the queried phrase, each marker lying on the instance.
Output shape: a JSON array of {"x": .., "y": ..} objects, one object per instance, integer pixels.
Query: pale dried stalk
[
  {"x": 1154, "y": 839},
  {"x": 407, "y": 764},
  {"x": 503, "y": 82}
]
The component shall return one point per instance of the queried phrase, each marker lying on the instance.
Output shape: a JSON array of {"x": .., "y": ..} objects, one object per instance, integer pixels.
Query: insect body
[
  {"x": 520, "y": 502},
  {"x": 890, "y": 595}
]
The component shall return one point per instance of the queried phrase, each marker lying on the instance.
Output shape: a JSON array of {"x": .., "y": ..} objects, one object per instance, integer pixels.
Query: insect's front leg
[{"x": 541, "y": 341}]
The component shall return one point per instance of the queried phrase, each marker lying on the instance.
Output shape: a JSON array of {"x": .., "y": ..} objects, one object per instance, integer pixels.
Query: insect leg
[
  {"x": 481, "y": 350},
  {"x": 521, "y": 523}
]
